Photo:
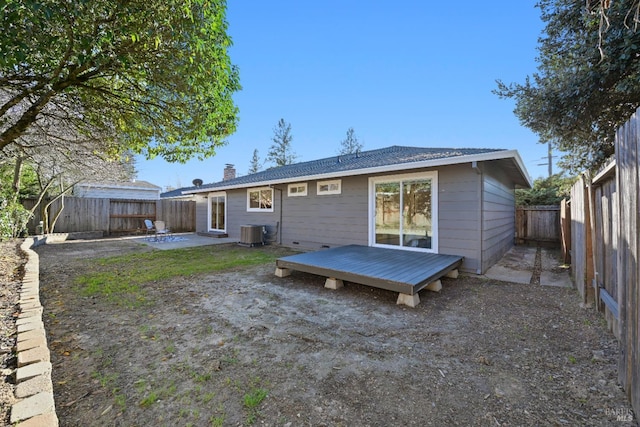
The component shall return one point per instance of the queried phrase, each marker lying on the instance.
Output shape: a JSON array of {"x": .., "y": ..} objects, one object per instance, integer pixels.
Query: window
[
  {"x": 260, "y": 199},
  {"x": 329, "y": 187},
  {"x": 404, "y": 208},
  {"x": 296, "y": 190}
]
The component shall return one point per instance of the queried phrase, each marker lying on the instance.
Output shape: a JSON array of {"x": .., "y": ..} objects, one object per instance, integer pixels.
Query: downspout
[{"x": 476, "y": 168}]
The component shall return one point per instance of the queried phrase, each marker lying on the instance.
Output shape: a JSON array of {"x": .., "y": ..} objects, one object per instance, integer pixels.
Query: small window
[
  {"x": 296, "y": 190},
  {"x": 329, "y": 187},
  {"x": 260, "y": 199}
]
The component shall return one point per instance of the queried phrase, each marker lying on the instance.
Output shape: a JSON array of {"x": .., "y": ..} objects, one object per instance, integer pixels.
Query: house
[
  {"x": 134, "y": 190},
  {"x": 439, "y": 200}
]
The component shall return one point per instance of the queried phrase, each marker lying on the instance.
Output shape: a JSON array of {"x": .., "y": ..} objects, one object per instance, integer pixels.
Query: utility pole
[{"x": 550, "y": 157}]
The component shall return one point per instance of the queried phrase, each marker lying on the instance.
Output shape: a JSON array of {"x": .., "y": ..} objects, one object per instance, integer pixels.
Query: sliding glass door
[
  {"x": 217, "y": 212},
  {"x": 403, "y": 211}
]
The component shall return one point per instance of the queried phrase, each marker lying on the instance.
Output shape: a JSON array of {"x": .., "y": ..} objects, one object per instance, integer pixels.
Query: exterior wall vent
[{"x": 251, "y": 235}]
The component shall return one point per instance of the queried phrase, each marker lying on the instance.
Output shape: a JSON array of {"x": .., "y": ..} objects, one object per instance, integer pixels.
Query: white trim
[
  {"x": 252, "y": 189},
  {"x": 399, "y": 167},
  {"x": 433, "y": 176},
  {"x": 329, "y": 190},
  {"x": 297, "y": 185},
  {"x": 209, "y": 196}
]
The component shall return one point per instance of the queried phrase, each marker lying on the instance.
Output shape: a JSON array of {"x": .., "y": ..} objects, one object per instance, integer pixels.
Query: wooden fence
[
  {"x": 115, "y": 216},
  {"x": 606, "y": 246},
  {"x": 538, "y": 225}
]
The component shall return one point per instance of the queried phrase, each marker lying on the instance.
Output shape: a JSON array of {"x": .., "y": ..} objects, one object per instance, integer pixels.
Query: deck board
[{"x": 396, "y": 270}]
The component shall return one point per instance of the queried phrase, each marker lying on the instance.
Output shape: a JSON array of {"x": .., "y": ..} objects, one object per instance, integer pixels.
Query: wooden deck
[{"x": 406, "y": 272}]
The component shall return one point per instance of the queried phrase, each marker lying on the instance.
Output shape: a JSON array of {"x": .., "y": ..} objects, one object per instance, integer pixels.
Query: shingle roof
[
  {"x": 348, "y": 164},
  {"x": 121, "y": 184}
]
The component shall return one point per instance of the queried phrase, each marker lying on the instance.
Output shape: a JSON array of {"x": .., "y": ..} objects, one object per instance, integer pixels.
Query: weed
[
  {"x": 105, "y": 380},
  {"x": 149, "y": 400},
  {"x": 120, "y": 401},
  {"x": 217, "y": 421},
  {"x": 207, "y": 397},
  {"x": 171, "y": 348},
  {"x": 572, "y": 360},
  {"x": 254, "y": 397}
]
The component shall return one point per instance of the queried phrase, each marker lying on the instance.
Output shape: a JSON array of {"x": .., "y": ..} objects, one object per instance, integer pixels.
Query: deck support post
[
  {"x": 453, "y": 274},
  {"x": 410, "y": 300},
  {"x": 332, "y": 283},
  {"x": 283, "y": 272},
  {"x": 435, "y": 286}
]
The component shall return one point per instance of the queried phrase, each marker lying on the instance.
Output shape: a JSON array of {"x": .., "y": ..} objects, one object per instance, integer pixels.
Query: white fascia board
[{"x": 494, "y": 155}]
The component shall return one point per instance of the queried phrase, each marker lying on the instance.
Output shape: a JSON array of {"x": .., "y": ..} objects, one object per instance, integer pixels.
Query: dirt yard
[{"x": 245, "y": 347}]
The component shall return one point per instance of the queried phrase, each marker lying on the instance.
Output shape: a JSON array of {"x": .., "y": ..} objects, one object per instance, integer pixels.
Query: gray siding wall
[
  {"x": 202, "y": 213},
  {"x": 499, "y": 212},
  {"x": 328, "y": 220},
  {"x": 313, "y": 222},
  {"x": 459, "y": 214}
]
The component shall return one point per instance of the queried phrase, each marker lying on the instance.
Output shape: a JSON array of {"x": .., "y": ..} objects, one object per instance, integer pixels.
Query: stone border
[{"x": 34, "y": 389}]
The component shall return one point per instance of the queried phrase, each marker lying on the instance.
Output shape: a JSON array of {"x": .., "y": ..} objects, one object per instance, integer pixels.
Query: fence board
[
  {"x": 115, "y": 216},
  {"x": 581, "y": 263},
  {"x": 538, "y": 224},
  {"x": 628, "y": 189}
]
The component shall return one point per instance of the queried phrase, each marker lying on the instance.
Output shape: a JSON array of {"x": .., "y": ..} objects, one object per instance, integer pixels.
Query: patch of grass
[
  {"x": 108, "y": 381},
  {"x": 122, "y": 279},
  {"x": 254, "y": 397},
  {"x": 217, "y": 420},
  {"x": 120, "y": 401},
  {"x": 105, "y": 380},
  {"x": 572, "y": 359},
  {"x": 149, "y": 399}
]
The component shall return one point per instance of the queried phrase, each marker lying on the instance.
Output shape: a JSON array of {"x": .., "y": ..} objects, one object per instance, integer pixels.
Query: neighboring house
[
  {"x": 134, "y": 190},
  {"x": 178, "y": 194},
  {"x": 449, "y": 201}
]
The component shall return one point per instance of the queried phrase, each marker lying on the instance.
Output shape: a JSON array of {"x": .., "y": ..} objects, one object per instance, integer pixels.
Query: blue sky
[{"x": 412, "y": 73}]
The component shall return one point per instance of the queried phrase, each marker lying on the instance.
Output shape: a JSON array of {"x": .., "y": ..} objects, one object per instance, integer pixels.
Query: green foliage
[
  {"x": 28, "y": 180},
  {"x": 280, "y": 152},
  {"x": 13, "y": 219},
  {"x": 546, "y": 191},
  {"x": 587, "y": 84},
  {"x": 254, "y": 397},
  {"x": 150, "y": 76}
]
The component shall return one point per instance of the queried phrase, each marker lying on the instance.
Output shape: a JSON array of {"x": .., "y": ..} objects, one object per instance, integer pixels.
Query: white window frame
[
  {"x": 433, "y": 176},
  {"x": 251, "y": 190},
  {"x": 329, "y": 184},
  {"x": 297, "y": 186},
  {"x": 210, "y": 214}
]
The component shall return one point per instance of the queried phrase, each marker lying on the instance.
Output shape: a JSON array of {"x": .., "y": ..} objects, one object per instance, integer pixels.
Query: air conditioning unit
[{"x": 251, "y": 235}]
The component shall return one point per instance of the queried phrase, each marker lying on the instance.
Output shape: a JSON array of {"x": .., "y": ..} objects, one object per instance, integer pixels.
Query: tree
[
  {"x": 150, "y": 76},
  {"x": 588, "y": 79},
  {"x": 546, "y": 191},
  {"x": 280, "y": 151},
  {"x": 254, "y": 166},
  {"x": 350, "y": 144}
]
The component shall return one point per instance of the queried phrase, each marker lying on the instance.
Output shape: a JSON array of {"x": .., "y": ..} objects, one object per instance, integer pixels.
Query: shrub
[{"x": 13, "y": 219}]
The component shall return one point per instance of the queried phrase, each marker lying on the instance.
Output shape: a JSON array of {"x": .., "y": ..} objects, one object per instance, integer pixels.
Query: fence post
[{"x": 565, "y": 231}]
